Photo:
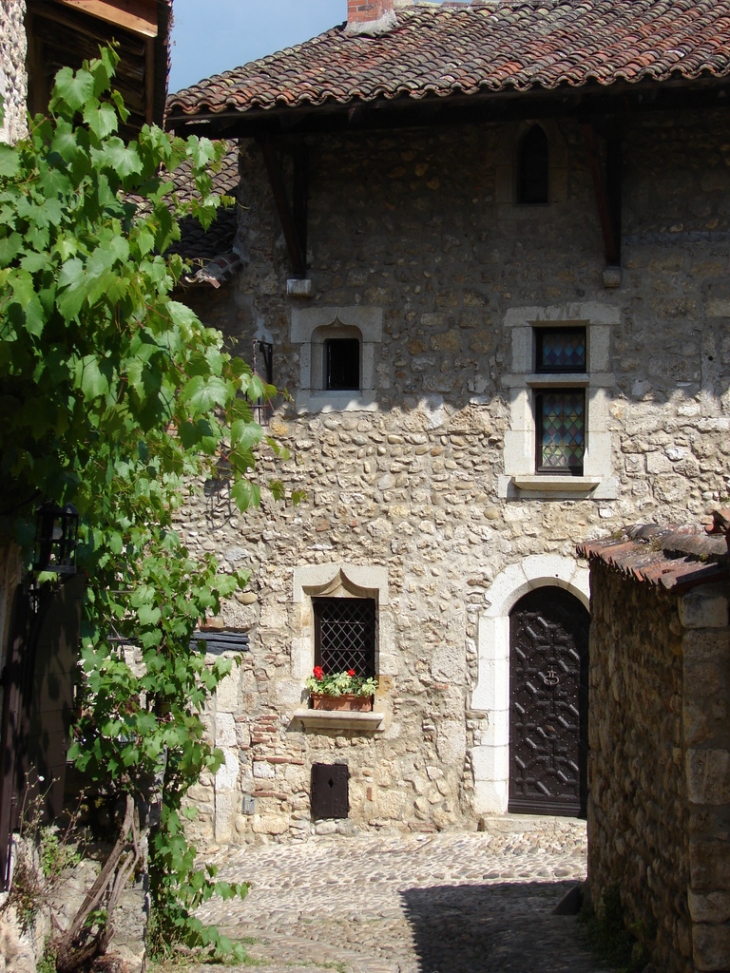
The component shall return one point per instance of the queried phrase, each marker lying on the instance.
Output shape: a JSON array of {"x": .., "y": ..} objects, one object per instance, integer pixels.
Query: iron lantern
[{"x": 56, "y": 537}]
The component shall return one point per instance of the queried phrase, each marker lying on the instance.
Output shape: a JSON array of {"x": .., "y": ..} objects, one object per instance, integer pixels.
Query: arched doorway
[{"x": 548, "y": 703}]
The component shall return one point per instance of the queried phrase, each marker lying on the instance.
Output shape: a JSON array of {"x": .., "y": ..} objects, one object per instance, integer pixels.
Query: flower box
[{"x": 348, "y": 702}]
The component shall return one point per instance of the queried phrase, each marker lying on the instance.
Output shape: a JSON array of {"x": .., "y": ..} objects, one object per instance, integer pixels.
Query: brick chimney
[{"x": 370, "y": 17}]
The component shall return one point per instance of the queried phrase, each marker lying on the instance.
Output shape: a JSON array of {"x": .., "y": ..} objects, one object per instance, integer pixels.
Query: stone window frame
[
  {"x": 491, "y": 695},
  {"x": 339, "y": 580},
  {"x": 520, "y": 479},
  {"x": 507, "y": 170},
  {"x": 310, "y": 328}
]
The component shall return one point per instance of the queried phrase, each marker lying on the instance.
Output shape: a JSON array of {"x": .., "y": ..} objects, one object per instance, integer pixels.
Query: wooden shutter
[{"x": 330, "y": 791}]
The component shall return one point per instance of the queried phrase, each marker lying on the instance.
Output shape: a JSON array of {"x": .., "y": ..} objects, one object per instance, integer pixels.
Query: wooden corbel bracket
[
  {"x": 293, "y": 217},
  {"x": 607, "y": 188}
]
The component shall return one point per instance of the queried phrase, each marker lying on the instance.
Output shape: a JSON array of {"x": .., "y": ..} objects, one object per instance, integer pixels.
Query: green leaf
[
  {"x": 72, "y": 288},
  {"x": 102, "y": 119},
  {"x": 203, "y": 394},
  {"x": 9, "y": 161},
  {"x": 91, "y": 377},
  {"x": 73, "y": 89},
  {"x": 10, "y": 247}
]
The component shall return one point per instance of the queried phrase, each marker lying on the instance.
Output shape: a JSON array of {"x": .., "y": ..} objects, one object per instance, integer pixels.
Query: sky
[{"x": 211, "y": 36}]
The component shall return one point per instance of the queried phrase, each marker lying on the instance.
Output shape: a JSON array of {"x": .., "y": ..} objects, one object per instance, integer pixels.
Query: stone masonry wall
[
  {"x": 421, "y": 228},
  {"x": 658, "y": 775},
  {"x": 638, "y": 816},
  {"x": 13, "y": 77}
]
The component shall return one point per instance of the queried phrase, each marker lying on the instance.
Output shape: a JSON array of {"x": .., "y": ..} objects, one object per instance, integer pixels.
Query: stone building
[
  {"x": 659, "y": 737},
  {"x": 484, "y": 247}
]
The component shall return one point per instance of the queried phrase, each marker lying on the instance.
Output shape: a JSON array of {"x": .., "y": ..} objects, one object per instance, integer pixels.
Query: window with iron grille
[{"x": 344, "y": 634}]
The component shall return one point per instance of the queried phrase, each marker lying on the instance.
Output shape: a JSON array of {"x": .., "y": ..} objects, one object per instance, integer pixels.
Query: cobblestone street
[{"x": 452, "y": 903}]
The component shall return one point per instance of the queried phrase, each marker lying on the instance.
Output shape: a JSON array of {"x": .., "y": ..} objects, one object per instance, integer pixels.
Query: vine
[{"x": 115, "y": 397}]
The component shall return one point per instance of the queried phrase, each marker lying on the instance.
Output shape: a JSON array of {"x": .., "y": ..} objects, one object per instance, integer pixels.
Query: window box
[{"x": 348, "y": 702}]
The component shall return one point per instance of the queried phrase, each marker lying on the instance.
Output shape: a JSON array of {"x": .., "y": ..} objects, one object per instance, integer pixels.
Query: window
[
  {"x": 533, "y": 167},
  {"x": 558, "y": 444},
  {"x": 342, "y": 364},
  {"x": 344, "y": 634},
  {"x": 560, "y": 413},
  {"x": 560, "y": 416},
  {"x": 560, "y": 349},
  {"x": 337, "y": 356}
]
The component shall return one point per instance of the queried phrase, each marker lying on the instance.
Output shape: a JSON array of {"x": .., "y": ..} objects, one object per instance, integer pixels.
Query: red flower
[
  {"x": 318, "y": 672},
  {"x": 351, "y": 672}
]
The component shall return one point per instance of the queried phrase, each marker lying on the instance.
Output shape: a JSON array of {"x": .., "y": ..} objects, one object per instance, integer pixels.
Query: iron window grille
[
  {"x": 342, "y": 364},
  {"x": 344, "y": 635},
  {"x": 533, "y": 170}
]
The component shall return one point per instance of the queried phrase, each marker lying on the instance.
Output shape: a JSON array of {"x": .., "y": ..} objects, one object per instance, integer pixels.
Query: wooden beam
[
  {"x": 297, "y": 256},
  {"x": 610, "y": 242},
  {"x": 149, "y": 80},
  {"x": 139, "y": 16},
  {"x": 301, "y": 196}
]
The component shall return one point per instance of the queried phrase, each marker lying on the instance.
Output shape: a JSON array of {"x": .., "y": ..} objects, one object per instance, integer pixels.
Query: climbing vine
[{"x": 115, "y": 397}]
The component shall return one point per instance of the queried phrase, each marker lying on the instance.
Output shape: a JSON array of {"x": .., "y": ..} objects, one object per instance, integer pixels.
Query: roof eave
[{"x": 561, "y": 100}]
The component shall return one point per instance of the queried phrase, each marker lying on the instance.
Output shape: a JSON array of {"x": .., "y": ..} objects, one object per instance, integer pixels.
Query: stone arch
[{"x": 490, "y": 756}]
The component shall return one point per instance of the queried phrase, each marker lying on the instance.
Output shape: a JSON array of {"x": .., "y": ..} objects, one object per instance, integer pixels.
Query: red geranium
[
  {"x": 318, "y": 672},
  {"x": 351, "y": 672}
]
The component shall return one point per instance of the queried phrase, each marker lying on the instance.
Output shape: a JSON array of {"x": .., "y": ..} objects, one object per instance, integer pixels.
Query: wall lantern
[{"x": 56, "y": 537}]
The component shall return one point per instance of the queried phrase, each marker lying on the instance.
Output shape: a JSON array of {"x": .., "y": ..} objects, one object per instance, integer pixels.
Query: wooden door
[{"x": 548, "y": 704}]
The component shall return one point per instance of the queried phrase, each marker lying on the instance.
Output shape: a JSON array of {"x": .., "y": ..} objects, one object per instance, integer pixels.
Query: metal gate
[{"x": 548, "y": 704}]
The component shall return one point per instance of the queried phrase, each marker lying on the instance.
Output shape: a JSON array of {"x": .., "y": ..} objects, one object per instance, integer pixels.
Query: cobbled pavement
[{"x": 432, "y": 903}]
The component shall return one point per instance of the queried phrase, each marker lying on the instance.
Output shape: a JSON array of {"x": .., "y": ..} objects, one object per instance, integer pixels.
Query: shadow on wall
[{"x": 495, "y": 929}]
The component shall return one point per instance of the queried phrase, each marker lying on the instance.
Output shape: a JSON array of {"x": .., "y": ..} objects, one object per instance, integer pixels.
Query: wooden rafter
[{"x": 139, "y": 16}]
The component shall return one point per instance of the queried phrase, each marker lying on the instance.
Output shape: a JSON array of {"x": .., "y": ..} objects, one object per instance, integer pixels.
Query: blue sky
[{"x": 211, "y": 36}]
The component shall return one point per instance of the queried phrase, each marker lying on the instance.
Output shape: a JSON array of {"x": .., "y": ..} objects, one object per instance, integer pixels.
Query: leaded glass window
[
  {"x": 344, "y": 634},
  {"x": 560, "y": 349},
  {"x": 560, "y": 415}
]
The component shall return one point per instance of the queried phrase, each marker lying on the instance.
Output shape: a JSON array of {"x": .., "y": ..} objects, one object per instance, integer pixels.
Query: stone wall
[
  {"x": 416, "y": 236},
  {"x": 13, "y": 76},
  {"x": 658, "y": 772}
]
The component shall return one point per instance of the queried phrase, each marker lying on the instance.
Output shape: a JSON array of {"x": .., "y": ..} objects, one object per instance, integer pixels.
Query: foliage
[
  {"x": 339, "y": 683},
  {"x": 115, "y": 397}
]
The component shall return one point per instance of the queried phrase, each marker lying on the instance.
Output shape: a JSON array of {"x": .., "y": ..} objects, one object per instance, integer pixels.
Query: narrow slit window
[
  {"x": 560, "y": 441},
  {"x": 533, "y": 170},
  {"x": 342, "y": 364},
  {"x": 344, "y": 635}
]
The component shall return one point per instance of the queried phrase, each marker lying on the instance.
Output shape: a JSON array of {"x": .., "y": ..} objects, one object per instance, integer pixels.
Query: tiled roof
[
  {"x": 481, "y": 48},
  {"x": 671, "y": 557},
  {"x": 210, "y": 251}
]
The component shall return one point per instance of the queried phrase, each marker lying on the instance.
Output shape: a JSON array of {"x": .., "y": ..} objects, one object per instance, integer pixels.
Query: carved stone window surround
[
  {"x": 519, "y": 478},
  {"x": 310, "y": 328}
]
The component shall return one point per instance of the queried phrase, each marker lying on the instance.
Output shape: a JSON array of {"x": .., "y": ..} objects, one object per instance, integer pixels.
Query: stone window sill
[
  {"x": 339, "y": 720},
  {"x": 557, "y": 484}
]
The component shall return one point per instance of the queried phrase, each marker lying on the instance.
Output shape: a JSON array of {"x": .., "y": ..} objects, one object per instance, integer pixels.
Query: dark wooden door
[{"x": 548, "y": 704}]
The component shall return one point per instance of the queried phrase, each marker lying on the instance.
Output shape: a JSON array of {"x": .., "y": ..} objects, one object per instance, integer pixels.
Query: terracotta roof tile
[
  {"x": 673, "y": 557},
  {"x": 480, "y": 48}
]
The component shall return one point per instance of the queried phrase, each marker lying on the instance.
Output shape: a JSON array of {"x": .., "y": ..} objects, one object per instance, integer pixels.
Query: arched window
[{"x": 533, "y": 167}]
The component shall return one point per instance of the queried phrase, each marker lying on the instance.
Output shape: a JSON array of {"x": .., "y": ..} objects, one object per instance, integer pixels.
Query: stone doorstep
[{"x": 530, "y": 823}]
